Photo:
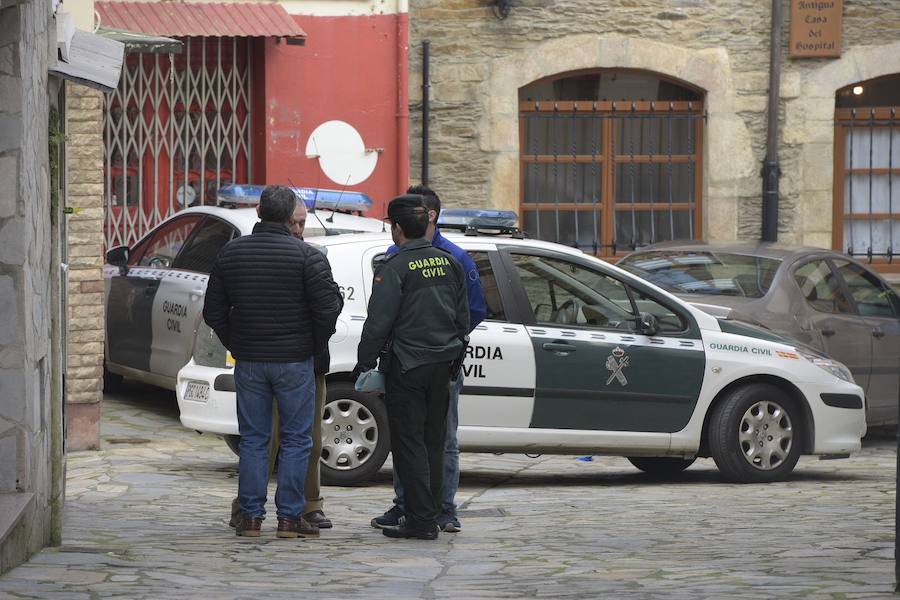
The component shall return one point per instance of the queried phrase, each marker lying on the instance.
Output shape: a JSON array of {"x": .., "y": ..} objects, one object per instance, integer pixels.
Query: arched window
[
  {"x": 610, "y": 160},
  {"x": 867, "y": 171}
]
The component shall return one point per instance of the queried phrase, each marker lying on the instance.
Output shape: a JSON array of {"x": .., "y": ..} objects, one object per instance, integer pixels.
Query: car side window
[
  {"x": 492, "y": 299},
  {"x": 821, "y": 287},
  {"x": 872, "y": 298},
  {"x": 565, "y": 293},
  {"x": 669, "y": 321},
  {"x": 168, "y": 240},
  {"x": 201, "y": 250},
  {"x": 135, "y": 253}
]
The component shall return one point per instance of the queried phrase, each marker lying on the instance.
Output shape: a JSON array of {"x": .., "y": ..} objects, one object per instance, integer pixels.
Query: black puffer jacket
[{"x": 271, "y": 297}]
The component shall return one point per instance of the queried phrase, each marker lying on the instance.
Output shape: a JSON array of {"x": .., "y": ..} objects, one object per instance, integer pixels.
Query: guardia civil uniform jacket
[{"x": 419, "y": 302}]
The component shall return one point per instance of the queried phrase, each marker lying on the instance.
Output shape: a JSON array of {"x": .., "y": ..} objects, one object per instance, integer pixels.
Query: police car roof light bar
[
  {"x": 314, "y": 198},
  {"x": 474, "y": 221}
]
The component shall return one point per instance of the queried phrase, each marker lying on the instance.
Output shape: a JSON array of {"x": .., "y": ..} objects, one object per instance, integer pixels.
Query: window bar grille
[
  {"x": 535, "y": 165},
  {"x": 850, "y": 179},
  {"x": 201, "y": 113},
  {"x": 871, "y": 144},
  {"x": 218, "y": 98},
  {"x": 575, "y": 170},
  {"x": 186, "y": 123},
  {"x": 610, "y": 150},
  {"x": 555, "y": 131},
  {"x": 596, "y": 125},
  {"x": 690, "y": 120},
  {"x": 651, "y": 168},
  {"x": 632, "y": 117},
  {"x": 890, "y": 164},
  {"x": 669, "y": 119}
]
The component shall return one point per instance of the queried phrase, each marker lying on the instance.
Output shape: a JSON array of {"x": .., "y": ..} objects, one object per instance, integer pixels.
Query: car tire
[
  {"x": 112, "y": 382},
  {"x": 661, "y": 466},
  {"x": 354, "y": 462},
  {"x": 755, "y": 434},
  {"x": 234, "y": 443}
]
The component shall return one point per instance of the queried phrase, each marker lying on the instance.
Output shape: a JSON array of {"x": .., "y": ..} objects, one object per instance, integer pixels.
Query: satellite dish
[{"x": 341, "y": 152}]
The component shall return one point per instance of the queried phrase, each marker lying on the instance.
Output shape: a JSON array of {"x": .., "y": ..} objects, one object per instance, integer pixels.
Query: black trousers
[{"x": 417, "y": 412}]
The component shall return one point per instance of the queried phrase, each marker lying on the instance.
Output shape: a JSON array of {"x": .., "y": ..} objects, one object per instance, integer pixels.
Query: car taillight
[{"x": 208, "y": 350}]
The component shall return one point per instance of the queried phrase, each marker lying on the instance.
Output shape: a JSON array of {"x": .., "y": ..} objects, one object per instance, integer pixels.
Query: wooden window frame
[
  {"x": 845, "y": 119},
  {"x": 606, "y": 160}
]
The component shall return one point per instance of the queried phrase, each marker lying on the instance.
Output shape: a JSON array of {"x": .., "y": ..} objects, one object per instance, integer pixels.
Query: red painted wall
[{"x": 347, "y": 71}]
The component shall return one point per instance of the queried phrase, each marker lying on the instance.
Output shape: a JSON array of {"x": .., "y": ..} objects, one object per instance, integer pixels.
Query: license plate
[{"x": 197, "y": 392}]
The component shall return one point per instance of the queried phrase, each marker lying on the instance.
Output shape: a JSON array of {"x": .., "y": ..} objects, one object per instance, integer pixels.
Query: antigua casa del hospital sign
[{"x": 816, "y": 27}]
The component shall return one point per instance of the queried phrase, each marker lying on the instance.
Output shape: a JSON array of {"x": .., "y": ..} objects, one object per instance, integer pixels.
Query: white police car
[
  {"x": 575, "y": 356},
  {"x": 154, "y": 290}
]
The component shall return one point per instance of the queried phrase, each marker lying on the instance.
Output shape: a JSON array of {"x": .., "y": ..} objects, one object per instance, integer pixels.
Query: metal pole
[
  {"x": 771, "y": 171},
  {"x": 426, "y": 98}
]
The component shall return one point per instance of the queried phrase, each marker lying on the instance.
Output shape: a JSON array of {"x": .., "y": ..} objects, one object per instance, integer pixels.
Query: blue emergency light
[
  {"x": 247, "y": 194},
  {"x": 478, "y": 220}
]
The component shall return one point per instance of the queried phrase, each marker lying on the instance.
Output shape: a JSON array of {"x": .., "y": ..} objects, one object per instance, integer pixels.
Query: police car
[
  {"x": 575, "y": 356},
  {"x": 154, "y": 289}
]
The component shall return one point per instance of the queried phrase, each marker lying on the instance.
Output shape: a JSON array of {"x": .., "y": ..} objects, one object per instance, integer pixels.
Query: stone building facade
[
  {"x": 31, "y": 481},
  {"x": 481, "y": 65}
]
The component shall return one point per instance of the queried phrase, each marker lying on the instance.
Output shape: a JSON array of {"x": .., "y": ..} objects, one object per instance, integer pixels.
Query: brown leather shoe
[
  {"x": 294, "y": 528},
  {"x": 248, "y": 526}
]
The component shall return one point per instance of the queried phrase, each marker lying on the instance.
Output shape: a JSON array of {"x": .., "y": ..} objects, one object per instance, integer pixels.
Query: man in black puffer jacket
[{"x": 273, "y": 303}]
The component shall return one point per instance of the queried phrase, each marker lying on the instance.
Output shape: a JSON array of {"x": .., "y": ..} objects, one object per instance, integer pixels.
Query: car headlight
[{"x": 826, "y": 364}]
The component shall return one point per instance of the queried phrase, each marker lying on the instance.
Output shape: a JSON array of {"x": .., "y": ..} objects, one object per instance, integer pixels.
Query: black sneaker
[
  {"x": 448, "y": 523},
  {"x": 406, "y": 532},
  {"x": 392, "y": 518}
]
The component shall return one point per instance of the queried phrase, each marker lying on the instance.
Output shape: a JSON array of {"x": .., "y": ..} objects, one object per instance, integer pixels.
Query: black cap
[{"x": 408, "y": 204}]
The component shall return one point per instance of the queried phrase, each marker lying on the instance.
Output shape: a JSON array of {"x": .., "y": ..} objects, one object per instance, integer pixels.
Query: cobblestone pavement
[{"x": 146, "y": 518}]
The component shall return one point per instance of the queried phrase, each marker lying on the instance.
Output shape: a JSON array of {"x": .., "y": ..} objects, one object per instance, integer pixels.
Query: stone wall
[
  {"x": 85, "y": 320},
  {"x": 478, "y": 62},
  {"x": 28, "y": 445}
]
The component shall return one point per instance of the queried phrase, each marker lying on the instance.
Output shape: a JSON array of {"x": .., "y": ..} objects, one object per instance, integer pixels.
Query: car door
[
  {"x": 877, "y": 306},
  {"x": 130, "y": 301},
  {"x": 499, "y": 370},
  {"x": 839, "y": 331},
  {"x": 178, "y": 306},
  {"x": 594, "y": 371}
]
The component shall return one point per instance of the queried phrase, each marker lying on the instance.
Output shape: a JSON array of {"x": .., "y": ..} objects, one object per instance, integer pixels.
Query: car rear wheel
[
  {"x": 661, "y": 466},
  {"x": 355, "y": 435},
  {"x": 754, "y": 434},
  {"x": 112, "y": 382},
  {"x": 234, "y": 443}
]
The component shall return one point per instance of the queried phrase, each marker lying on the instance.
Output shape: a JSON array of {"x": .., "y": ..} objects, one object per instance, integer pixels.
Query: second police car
[{"x": 575, "y": 356}]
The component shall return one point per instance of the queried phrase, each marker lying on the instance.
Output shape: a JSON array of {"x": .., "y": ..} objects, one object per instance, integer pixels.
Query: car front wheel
[
  {"x": 661, "y": 466},
  {"x": 754, "y": 434}
]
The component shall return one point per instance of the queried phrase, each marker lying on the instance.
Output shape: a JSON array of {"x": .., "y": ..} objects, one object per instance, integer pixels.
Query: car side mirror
[
  {"x": 118, "y": 256},
  {"x": 648, "y": 325}
]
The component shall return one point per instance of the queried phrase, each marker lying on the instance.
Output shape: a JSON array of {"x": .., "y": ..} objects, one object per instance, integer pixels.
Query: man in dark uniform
[{"x": 419, "y": 304}]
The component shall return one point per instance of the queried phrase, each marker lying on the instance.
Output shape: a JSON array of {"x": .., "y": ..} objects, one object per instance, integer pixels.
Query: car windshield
[{"x": 713, "y": 273}]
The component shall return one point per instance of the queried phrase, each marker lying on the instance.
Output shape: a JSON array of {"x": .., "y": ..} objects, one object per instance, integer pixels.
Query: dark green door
[{"x": 594, "y": 371}]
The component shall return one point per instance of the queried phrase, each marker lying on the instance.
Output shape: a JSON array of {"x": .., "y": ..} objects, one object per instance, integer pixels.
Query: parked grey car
[{"x": 821, "y": 298}]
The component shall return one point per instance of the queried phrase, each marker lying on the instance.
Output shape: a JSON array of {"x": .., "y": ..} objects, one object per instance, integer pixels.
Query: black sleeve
[
  {"x": 216, "y": 304},
  {"x": 384, "y": 304},
  {"x": 322, "y": 296}
]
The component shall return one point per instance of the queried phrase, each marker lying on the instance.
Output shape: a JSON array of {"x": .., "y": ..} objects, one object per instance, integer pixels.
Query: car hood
[{"x": 756, "y": 331}]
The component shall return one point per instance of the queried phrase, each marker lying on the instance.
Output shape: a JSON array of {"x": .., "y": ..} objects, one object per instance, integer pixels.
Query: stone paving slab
[{"x": 146, "y": 517}]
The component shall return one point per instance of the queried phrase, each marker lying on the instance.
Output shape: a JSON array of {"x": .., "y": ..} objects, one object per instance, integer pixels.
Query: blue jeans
[
  {"x": 294, "y": 387},
  {"x": 451, "y": 456}
]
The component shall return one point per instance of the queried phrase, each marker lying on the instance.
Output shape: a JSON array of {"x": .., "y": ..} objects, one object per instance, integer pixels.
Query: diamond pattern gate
[{"x": 175, "y": 131}]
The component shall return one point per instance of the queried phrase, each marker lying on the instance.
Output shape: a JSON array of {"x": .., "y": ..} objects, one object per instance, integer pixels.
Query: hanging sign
[{"x": 816, "y": 28}]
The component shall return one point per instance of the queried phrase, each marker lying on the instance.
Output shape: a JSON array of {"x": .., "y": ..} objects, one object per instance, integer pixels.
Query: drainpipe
[
  {"x": 770, "y": 170},
  {"x": 402, "y": 96},
  {"x": 426, "y": 105}
]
